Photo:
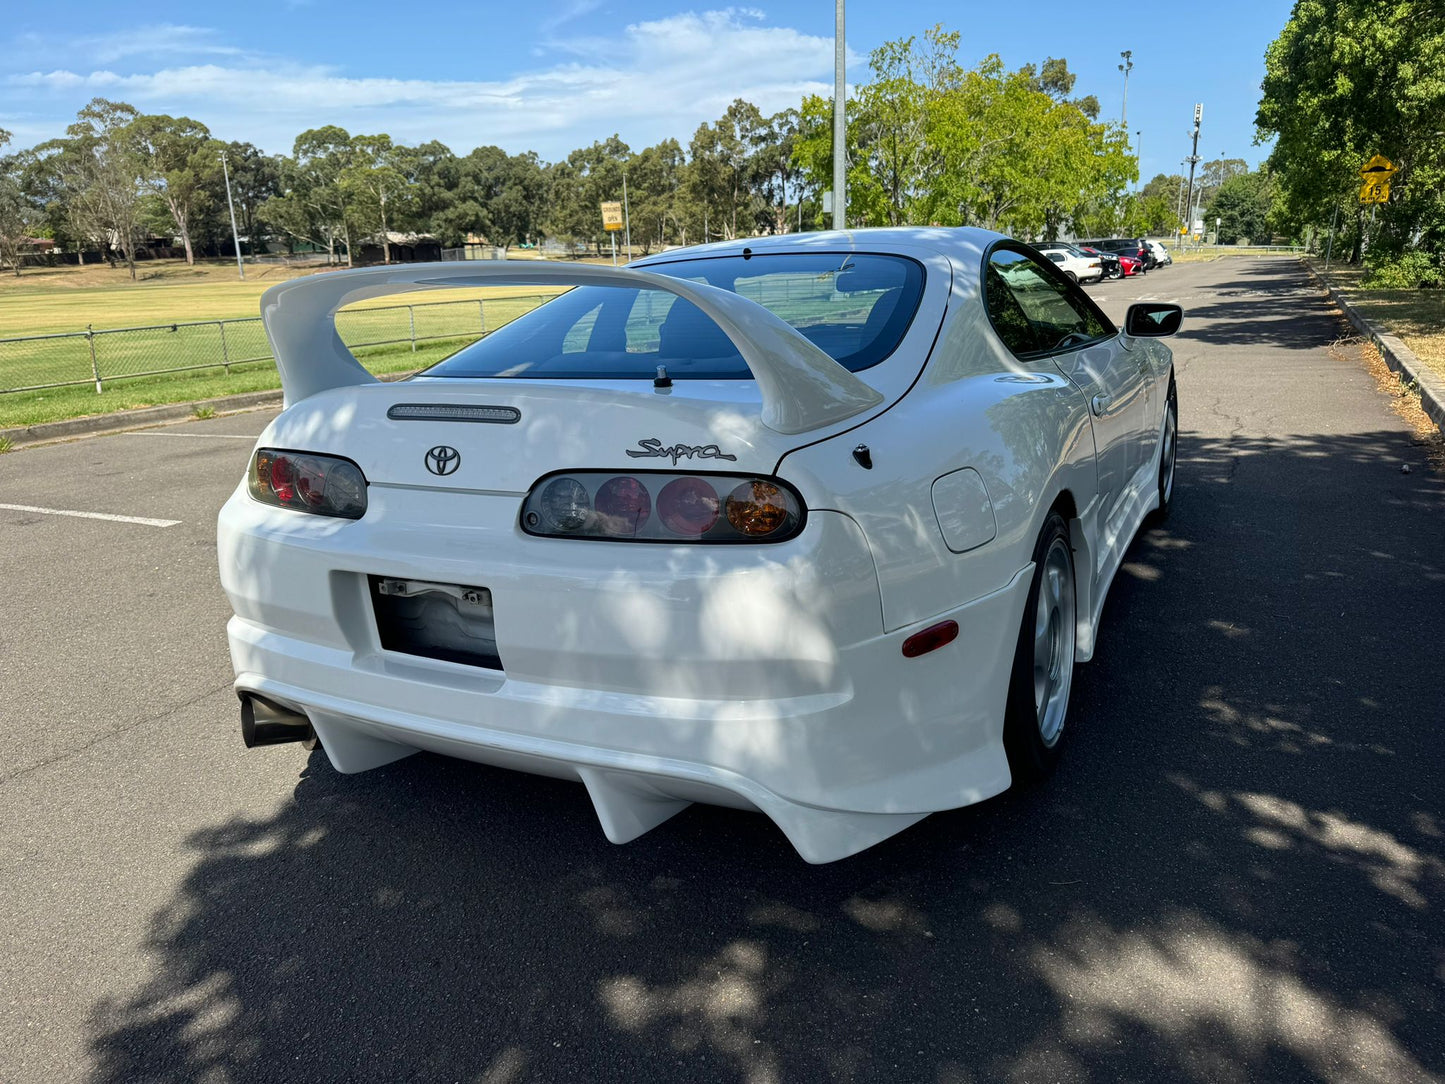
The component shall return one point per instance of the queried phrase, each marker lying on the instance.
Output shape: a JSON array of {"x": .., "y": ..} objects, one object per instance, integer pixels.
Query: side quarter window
[{"x": 1059, "y": 316}]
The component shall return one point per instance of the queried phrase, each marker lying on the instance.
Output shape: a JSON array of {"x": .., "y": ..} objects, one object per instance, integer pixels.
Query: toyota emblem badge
[{"x": 443, "y": 460}]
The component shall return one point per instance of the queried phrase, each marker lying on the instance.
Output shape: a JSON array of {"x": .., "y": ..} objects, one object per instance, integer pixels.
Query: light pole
[
  {"x": 840, "y": 127},
  {"x": 1193, "y": 161},
  {"x": 235, "y": 239},
  {"x": 1139, "y": 156},
  {"x": 1126, "y": 68}
]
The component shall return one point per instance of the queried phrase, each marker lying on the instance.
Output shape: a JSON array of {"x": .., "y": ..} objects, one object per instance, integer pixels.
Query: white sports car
[{"x": 816, "y": 525}]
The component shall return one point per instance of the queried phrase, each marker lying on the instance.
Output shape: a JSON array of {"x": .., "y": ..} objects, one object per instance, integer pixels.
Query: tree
[
  {"x": 178, "y": 160},
  {"x": 255, "y": 178},
  {"x": 1348, "y": 79},
  {"x": 1243, "y": 205},
  {"x": 376, "y": 183},
  {"x": 94, "y": 172},
  {"x": 313, "y": 204},
  {"x": 18, "y": 213}
]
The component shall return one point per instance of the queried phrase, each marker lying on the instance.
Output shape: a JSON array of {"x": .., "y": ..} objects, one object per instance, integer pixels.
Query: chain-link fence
[{"x": 36, "y": 362}]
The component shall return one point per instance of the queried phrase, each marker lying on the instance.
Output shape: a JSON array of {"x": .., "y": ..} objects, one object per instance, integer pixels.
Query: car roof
[{"x": 962, "y": 246}]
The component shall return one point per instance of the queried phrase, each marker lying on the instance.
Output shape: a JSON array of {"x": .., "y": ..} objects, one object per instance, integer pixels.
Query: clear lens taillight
[
  {"x": 661, "y": 506},
  {"x": 323, "y": 485}
]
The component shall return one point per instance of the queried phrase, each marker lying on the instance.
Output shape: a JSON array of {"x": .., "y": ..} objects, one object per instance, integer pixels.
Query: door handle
[{"x": 1100, "y": 403}]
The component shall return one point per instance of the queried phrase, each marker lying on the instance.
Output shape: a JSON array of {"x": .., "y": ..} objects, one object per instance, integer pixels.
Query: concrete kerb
[{"x": 1399, "y": 357}]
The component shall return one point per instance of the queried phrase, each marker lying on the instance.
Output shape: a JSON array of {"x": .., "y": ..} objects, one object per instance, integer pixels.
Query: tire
[
  {"x": 1168, "y": 453},
  {"x": 1072, "y": 277},
  {"x": 1043, "y": 668}
]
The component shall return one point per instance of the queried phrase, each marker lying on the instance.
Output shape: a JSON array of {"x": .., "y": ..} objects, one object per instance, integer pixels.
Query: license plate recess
[{"x": 447, "y": 621}]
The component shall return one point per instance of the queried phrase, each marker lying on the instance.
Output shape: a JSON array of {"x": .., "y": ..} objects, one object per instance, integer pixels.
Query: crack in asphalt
[{"x": 125, "y": 729}]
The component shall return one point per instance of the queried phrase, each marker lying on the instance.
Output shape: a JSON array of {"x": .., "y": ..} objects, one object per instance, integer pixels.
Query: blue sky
[{"x": 551, "y": 75}]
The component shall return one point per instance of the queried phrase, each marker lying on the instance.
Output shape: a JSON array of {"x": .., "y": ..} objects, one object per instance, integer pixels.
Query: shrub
[{"x": 1406, "y": 271}]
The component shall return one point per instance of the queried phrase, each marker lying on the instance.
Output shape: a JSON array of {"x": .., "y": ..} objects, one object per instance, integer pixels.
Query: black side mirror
[{"x": 1153, "y": 319}]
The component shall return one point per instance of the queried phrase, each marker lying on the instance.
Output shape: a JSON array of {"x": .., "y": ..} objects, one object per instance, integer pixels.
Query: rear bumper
[{"x": 754, "y": 677}]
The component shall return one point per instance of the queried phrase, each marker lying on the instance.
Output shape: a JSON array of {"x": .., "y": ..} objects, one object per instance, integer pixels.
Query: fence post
[
  {"x": 411, "y": 319},
  {"x": 94, "y": 368},
  {"x": 225, "y": 353},
  {"x": 482, "y": 315}
]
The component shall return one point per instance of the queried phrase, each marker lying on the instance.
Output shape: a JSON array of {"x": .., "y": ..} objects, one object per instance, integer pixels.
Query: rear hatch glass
[{"x": 854, "y": 307}]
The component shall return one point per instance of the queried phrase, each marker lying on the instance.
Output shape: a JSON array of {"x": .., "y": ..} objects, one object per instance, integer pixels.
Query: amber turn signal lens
[{"x": 757, "y": 508}]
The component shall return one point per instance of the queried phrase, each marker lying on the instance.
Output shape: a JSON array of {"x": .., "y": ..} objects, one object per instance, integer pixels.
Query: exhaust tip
[{"x": 264, "y": 722}]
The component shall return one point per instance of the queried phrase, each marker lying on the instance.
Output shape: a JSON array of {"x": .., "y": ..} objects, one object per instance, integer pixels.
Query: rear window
[{"x": 854, "y": 307}]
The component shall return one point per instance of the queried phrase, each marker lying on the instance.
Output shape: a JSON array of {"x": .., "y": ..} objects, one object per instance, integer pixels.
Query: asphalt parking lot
[{"x": 1237, "y": 875}]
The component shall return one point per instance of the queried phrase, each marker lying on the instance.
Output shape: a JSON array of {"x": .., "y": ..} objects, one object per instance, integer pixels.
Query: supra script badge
[{"x": 653, "y": 449}]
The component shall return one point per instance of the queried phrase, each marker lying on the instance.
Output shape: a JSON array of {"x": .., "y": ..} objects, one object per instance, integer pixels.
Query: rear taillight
[
  {"x": 661, "y": 506},
  {"x": 323, "y": 485}
]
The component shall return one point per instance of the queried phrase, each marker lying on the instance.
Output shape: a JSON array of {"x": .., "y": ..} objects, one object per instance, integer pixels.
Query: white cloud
[
  {"x": 151, "y": 41},
  {"x": 655, "y": 79}
]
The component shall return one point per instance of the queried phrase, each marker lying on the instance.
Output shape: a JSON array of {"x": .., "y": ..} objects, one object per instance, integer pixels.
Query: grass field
[
  {"x": 171, "y": 295},
  {"x": 1417, "y": 316}
]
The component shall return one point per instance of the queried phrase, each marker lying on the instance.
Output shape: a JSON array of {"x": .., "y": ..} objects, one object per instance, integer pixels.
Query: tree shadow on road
[{"x": 1237, "y": 874}]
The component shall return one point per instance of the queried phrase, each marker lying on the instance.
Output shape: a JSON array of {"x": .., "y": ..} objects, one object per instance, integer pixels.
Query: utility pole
[
  {"x": 235, "y": 239},
  {"x": 1126, "y": 68},
  {"x": 1193, "y": 160},
  {"x": 840, "y": 127},
  {"x": 1139, "y": 156},
  {"x": 626, "y": 217}
]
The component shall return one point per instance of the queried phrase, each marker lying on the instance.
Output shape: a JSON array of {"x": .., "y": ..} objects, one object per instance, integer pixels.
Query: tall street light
[
  {"x": 840, "y": 128},
  {"x": 1139, "y": 156},
  {"x": 235, "y": 239},
  {"x": 1126, "y": 68}
]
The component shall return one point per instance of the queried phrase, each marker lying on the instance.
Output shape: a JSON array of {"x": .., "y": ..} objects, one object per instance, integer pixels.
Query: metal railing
[{"x": 96, "y": 356}]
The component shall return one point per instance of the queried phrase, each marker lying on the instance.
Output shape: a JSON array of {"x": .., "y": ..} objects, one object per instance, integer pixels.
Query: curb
[
  {"x": 135, "y": 419},
  {"x": 1399, "y": 357}
]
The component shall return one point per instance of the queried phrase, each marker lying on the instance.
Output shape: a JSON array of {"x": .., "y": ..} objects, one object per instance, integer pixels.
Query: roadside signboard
[
  {"x": 1376, "y": 174},
  {"x": 612, "y": 216}
]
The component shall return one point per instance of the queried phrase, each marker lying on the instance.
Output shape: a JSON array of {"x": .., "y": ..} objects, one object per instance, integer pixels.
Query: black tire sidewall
[{"x": 1029, "y": 758}]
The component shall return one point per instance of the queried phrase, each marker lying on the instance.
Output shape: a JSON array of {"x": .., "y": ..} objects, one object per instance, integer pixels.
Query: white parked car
[
  {"x": 817, "y": 525},
  {"x": 1077, "y": 266},
  {"x": 1161, "y": 253}
]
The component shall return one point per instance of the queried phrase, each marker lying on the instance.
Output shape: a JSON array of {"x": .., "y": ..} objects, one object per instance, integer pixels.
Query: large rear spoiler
[{"x": 802, "y": 387}]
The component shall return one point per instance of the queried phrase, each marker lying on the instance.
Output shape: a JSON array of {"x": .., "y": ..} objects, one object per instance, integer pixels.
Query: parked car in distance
[
  {"x": 1130, "y": 266},
  {"x": 1108, "y": 262},
  {"x": 1126, "y": 246},
  {"x": 1161, "y": 253},
  {"x": 1076, "y": 265},
  {"x": 816, "y": 524},
  {"x": 1113, "y": 268}
]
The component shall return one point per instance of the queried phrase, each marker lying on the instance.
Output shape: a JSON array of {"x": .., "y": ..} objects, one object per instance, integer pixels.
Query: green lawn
[
  {"x": 19, "y": 409},
  {"x": 168, "y": 304}
]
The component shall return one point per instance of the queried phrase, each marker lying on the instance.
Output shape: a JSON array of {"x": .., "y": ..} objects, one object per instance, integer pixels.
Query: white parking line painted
[
  {"x": 202, "y": 436},
  {"x": 92, "y": 515}
]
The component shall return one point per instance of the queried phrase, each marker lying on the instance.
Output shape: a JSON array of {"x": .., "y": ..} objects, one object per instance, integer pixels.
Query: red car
[{"x": 1129, "y": 265}]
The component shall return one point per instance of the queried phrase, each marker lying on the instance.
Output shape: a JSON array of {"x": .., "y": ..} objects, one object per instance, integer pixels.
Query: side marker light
[{"x": 930, "y": 639}]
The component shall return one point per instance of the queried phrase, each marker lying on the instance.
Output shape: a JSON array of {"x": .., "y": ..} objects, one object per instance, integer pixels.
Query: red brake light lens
[
  {"x": 321, "y": 484},
  {"x": 688, "y": 506}
]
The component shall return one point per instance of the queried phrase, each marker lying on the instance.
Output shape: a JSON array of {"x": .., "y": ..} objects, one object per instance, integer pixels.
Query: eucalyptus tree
[
  {"x": 377, "y": 186},
  {"x": 19, "y": 214},
  {"x": 93, "y": 172},
  {"x": 312, "y": 205},
  {"x": 178, "y": 160}
]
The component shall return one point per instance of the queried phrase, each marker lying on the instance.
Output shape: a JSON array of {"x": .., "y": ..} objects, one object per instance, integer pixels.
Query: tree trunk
[{"x": 385, "y": 240}]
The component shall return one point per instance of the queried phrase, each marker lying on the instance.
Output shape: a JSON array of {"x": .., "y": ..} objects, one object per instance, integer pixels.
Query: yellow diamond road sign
[{"x": 1377, "y": 173}]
